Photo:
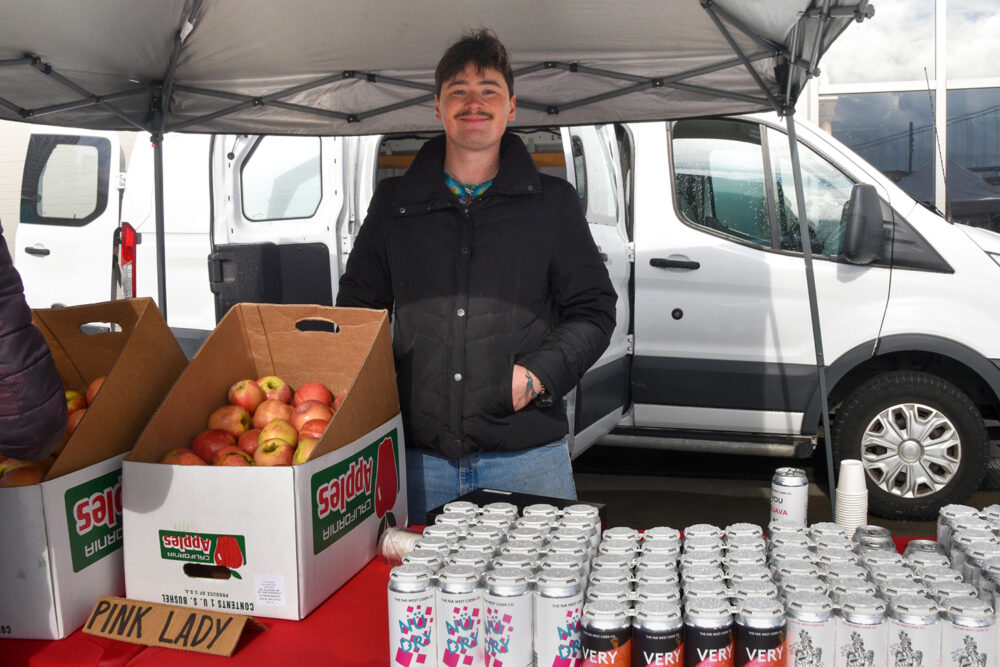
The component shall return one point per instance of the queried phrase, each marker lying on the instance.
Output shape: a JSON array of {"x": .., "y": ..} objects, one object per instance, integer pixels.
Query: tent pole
[
  {"x": 161, "y": 252},
  {"x": 813, "y": 305}
]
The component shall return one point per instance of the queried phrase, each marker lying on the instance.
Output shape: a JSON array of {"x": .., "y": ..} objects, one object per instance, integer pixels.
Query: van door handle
[
  {"x": 41, "y": 252},
  {"x": 664, "y": 263}
]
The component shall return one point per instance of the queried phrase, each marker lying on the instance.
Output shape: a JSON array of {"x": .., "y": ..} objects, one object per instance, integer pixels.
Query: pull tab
[{"x": 317, "y": 325}]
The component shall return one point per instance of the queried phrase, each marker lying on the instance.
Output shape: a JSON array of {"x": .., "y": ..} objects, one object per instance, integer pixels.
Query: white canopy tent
[{"x": 334, "y": 68}]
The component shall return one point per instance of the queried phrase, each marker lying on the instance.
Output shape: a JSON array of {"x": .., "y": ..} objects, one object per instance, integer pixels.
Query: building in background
[{"x": 916, "y": 92}]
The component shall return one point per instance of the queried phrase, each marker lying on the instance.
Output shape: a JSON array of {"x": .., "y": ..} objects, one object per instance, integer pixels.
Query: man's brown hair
[{"x": 481, "y": 48}]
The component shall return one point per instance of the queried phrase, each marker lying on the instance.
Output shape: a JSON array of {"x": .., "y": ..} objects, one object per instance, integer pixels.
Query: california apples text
[
  {"x": 335, "y": 494},
  {"x": 100, "y": 509},
  {"x": 187, "y": 543}
]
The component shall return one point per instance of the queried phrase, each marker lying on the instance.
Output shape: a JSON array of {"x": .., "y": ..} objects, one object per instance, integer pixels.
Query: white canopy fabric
[{"x": 334, "y": 67}]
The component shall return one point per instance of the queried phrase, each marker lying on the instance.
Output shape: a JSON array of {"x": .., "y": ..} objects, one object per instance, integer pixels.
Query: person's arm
[
  {"x": 586, "y": 298},
  {"x": 366, "y": 282},
  {"x": 32, "y": 397}
]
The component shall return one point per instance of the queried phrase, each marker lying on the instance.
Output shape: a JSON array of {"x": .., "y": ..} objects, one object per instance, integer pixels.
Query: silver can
[
  {"x": 752, "y": 589},
  {"x": 950, "y": 590},
  {"x": 463, "y": 508},
  {"x": 606, "y": 634},
  {"x": 936, "y": 574},
  {"x": 784, "y": 528},
  {"x": 922, "y": 547},
  {"x": 533, "y": 534},
  {"x": 662, "y": 533},
  {"x": 520, "y": 547},
  {"x": 702, "y": 530},
  {"x": 613, "y": 592},
  {"x": 542, "y": 523},
  {"x": 921, "y": 560},
  {"x": 558, "y": 601},
  {"x": 789, "y": 495},
  {"x": 563, "y": 562},
  {"x": 440, "y": 545},
  {"x": 573, "y": 549},
  {"x": 519, "y": 561},
  {"x": 459, "y": 522},
  {"x": 411, "y": 616},
  {"x": 894, "y": 588},
  {"x": 969, "y": 633},
  {"x": 658, "y": 545},
  {"x": 449, "y": 533},
  {"x": 735, "y": 530},
  {"x": 576, "y": 535},
  {"x": 481, "y": 545},
  {"x": 976, "y": 554},
  {"x": 619, "y": 548},
  {"x": 510, "y": 617},
  {"x": 506, "y": 509},
  {"x": 695, "y": 573},
  {"x": 430, "y": 559},
  {"x": 656, "y": 575},
  {"x": 621, "y": 533},
  {"x": 704, "y": 544},
  {"x": 828, "y": 530},
  {"x": 610, "y": 575},
  {"x": 946, "y": 515},
  {"x": 914, "y": 631},
  {"x": 797, "y": 584},
  {"x": 961, "y": 541},
  {"x": 473, "y": 559},
  {"x": 657, "y": 634},
  {"x": 989, "y": 578},
  {"x": 657, "y": 592},
  {"x": 583, "y": 523},
  {"x": 614, "y": 561},
  {"x": 811, "y": 630},
  {"x": 460, "y": 622},
  {"x": 759, "y": 633},
  {"x": 494, "y": 534},
  {"x": 708, "y": 633},
  {"x": 861, "y": 631},
  {"x": 545, "y": 510},
  {"x": 704, "y": 590},
  {"x": 588, "y": 512},
  {"x": 501, "y": 522}
]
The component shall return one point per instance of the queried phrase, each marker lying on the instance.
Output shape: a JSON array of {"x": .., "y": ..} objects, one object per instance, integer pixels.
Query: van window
[
  {"x": 719, "y": 178},
  {"x": 595, "y": 180},
  {"x": 827, "y": 191},
  {"x": 282, "y": 179},
  {"x": 65, "y": 179}
]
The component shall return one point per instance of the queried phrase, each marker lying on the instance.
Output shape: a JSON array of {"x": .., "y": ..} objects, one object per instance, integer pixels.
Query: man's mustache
[{"x": 463, "y": 114}]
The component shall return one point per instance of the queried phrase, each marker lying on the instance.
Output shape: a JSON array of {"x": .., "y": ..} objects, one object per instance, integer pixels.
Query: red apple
[
  {"x": 310, "y": 410},
  {"x": 246, "y": 394},
  {"x": 313, "y": 428},
  {"x": 3, "y": 463},
  {"x": 226, "y": 451},
  {"x": 278, "y": 428},
  {"x": 275, "y": 388},
  {"x": 312, "y": 391},
  {"x": 74, "y": 420},
  {"x": 75, "y": 401},
  {"x": 237, "y": 458},
  {"x": 94, "y": 387},
  {"x": 232, "y": 418},
  {"x": 182, "y": 456},
  {"x": 274, "y": 452},
  {"x": 23, "y": 475},
  {"x": 248, "y": 441},
  {"x": 337, "y": 402},
  {"x": 207, "y": 443},
  {"x": 305, "y": 448},
  {"x": 269, "y": 410}
]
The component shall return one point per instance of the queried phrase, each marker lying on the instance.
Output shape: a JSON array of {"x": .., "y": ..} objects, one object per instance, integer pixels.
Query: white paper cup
[{"x": 852, "y": 478}]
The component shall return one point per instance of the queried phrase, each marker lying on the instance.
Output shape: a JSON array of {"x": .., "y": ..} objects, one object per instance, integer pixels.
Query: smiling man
[{"x": 500, "y": 298}]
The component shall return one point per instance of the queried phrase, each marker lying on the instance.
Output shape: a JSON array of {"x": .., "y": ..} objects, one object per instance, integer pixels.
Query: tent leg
[
  {"x": 161, "y": 248},
  {"x": 813, "y": 305}
]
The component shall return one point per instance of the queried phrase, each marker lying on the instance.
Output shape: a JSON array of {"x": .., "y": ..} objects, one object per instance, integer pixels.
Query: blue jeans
[{"x": 432, "y": 479}]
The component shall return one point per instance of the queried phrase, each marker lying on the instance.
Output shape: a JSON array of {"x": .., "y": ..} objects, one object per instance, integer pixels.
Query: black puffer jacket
[
  {"x": 32, "y": 402},
  {"x": 515, "y": 278}
]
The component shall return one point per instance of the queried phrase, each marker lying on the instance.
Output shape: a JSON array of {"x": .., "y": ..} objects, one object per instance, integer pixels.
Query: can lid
[
  {"x": 647, "y": 590},
  {"x": 557, "y": 576},
  {"x": 966, "y": 610},
  {"x": 957, "y": 510},
  {"x": 705, "y": 587},
  {"x": 658, "y": 610},
  {"x": 561, "y": 560},
  {"x": 969, "y": 522},
  {"x": 432, "y": 542},
  {"x": 543, "y": 523},
  {"x": 862, "y": 604},
  {"x": 495, "y": 519},
  {"x": 581, "y": 509},
  {"x": 785, "y": 527},
  {"x": 869, "y": 531},
  {"x": 971, "y": 535},
  {"x": 508, "y": 576},
  {"x": 423, "y": 556},
  {"x": 662, "y": 533},
  {"x": 812, "y": 603},
  {"x": 462, "y": 506},
  {"x": 500, "y": 507},
  {"x": 708, "y": 610},
  {"x": 617, "y": 546},
  {"x": 702, "y": 572},
  {"x": 956, "y": 589},
  {"x": 925, "y": 546},
  {"x": 410, "y": 573},
  {"x": 458, "y": 574},
  {"x": 743, "y": 529},
  {"x": 913, "y": 605},
  {"x": 605, "y": 610},
  {"x": 470, "y": 558},
  {"x": 621, "y": 533},
  {"x": 788, "y": 474},
  {"x": 608, "y": 590},
  {"x": 760, "y": 608},
  {"x": 564, "y": 533},
  {"x": 512, "y": 560},
  {"x": 441, "y": 530},
  {"x": 701, "y": 529},
  {"x": 540, "y": 509},
  {"x": 571, "y": 548}
]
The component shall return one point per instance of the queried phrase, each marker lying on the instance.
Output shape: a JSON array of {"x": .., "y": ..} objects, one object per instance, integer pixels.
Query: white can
[
  {"x": 411, "y": 616},
  {"x": 789, "y": 496},
  {"x": 460, "y": 617},
  {"x": 914, "y": 632},
  {"x": 861, "y": 632},
  {"x": 558, "y": 602},
  {"x": 811, "y": 630},
  {"x": 969, "y": 634},
  {"x": 510, "y": 617}
]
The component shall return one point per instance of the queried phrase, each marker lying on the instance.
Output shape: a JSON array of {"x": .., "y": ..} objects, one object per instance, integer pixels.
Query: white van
[{"x": 698, "y": 223}]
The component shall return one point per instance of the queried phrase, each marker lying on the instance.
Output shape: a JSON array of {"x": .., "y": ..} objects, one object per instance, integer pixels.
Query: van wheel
[{"x": 921, "y": 440}]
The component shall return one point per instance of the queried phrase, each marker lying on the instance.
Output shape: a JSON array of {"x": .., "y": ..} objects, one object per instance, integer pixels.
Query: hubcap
[{"x": 911, "y": 450}]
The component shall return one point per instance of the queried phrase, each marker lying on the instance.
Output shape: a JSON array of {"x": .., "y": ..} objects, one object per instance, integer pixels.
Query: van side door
[{"x": 70, "y": 200}]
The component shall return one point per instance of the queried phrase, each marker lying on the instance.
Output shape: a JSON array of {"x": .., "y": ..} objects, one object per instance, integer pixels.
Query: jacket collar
[{"x": 423, "y": 182}]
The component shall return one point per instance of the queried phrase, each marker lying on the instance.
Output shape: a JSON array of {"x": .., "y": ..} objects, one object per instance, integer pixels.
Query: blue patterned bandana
[{"x": 464, "y": 191}]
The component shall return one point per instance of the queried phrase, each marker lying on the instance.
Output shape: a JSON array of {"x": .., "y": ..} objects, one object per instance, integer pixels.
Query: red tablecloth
[{"x": 350, "y": 629}]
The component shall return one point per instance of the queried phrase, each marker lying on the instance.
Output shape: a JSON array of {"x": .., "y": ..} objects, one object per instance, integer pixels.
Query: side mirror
[{"x": 863, "y": 238}]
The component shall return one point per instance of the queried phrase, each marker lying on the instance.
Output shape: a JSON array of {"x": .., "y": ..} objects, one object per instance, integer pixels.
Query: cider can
[
  {"x": 606, "y": 634},
  {"x": 509, "y": 617},
  {"x": 412, "y": 616},
  {"x": 460, "y": 619},
  {"x": 861, "y": 631},
  {"x": 708, "y": 633},
  {"x": 914, "y": 632},
  {"x": 558, "y": 602},
  {"x": 811, "y": 630},
  {"x": 759, "y": 634},
  {"x": 657, "y": 635},
  {"x": 789, "y": 495}
]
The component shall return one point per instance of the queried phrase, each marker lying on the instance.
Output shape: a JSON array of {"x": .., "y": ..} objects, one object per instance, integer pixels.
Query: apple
[
  {"x": 23, "y": 475},
  {"x": 312, "y": 391},
  {"x": 232, "y": 418},
  {"x": 207, "y": 443},
  {"x": 229, "y": 452},
  {"x": 337, "y": 402},
  {"x": 313, "y": 428},
  {"x": 275, "y": 388},
  {"x": 94, "y": 387},
  {"x": 309, "y": 410},
  {"x": 246, "y": 394},
  {"x": 248, "y": 441},
  {"x": 269, "y": 410},
  {"x": 74, "y": 420},
  {"x": 182, "y": 456},
  {"x": 278, "y": 428},
  {"x": 274, "y": 452},
  {"x": 305, "y": 448},
  {"x": 75, "y": 401}
]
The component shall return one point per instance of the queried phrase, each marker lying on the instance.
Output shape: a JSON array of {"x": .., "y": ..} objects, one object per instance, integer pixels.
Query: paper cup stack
[{"x": 851, "y": 510}]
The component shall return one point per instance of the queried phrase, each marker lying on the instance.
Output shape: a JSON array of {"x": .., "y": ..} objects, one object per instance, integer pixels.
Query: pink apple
[
  {"x": 232, "y": 418},
  {"x": 337, "y": 402},
  {"x": 248, "y": 441},
  {"x": 236, "y": 455},
  {"x": 246, "y": 394},
  {"x": 275, "y": 388},
  {"x": 182, "y": 456},
  {"x": 74, "y": 420},
  {"x": 278, "y": 428},
  {"x": 305, "y": 448},
  {"x": 207, "y": 443},
  {"x": 309, "y": 410},
  {"x": 313, "y": 428},
  {"x": 274, "y": 452},
  {"x": 312, "y": 391},
  {"x": 94, "y": 387},
  {"x": 75, "y": 401},
  {"x": 269, "y": 410}
]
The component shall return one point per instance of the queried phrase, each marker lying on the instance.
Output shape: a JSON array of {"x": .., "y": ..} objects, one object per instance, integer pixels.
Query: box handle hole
[
  {"x": 199, "y": 571},
  {"x": 95, "y": 328},
  {"x": 317, "y": 325}
]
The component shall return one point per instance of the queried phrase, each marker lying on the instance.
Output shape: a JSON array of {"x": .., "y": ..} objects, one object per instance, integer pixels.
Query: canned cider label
[
  {"x": 508, "y": 631},
  {"x": 607, "y": 647},
  {"x": 760, "y": 648},
  {"x": 810, "y": 644},
  {"x": 666, "y": 648},
  {"x": 557, "y": 633},
  {"x": 94, "y": 519},
  {"x": 462, "y": 634},
  {"x": 413, "y": 636},
  {"x": 708, "y": 647}
]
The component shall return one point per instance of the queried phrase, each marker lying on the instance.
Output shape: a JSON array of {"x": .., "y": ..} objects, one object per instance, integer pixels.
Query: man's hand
[{"x": 525, "y": 386}]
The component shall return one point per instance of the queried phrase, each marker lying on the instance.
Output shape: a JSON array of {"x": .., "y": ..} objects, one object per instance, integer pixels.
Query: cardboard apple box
[
  {"x": 269, "y": 541},
  {"x": 62, "y": 541}
]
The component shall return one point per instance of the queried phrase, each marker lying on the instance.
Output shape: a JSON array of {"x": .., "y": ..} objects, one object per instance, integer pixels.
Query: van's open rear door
[{"x": 277, "y": 206}]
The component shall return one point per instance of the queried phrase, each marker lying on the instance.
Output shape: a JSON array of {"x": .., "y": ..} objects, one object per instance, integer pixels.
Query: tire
[{"x": 912, "y": 481}]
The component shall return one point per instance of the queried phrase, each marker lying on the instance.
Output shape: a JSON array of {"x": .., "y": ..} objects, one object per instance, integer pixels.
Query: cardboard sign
[{"x": 170, "y": 626}]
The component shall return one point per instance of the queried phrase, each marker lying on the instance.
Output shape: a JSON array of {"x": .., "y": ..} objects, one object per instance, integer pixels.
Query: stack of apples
[
  {"x": 15, "y": 472},
  {"x": 265, "y": 423}
]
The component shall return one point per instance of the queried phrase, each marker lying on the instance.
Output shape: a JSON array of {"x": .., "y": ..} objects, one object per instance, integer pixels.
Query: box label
[
  {"x": 229, "y": 551},
  {"x": 348, "y": 492},
  {"x": 94, "y": 519}
]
